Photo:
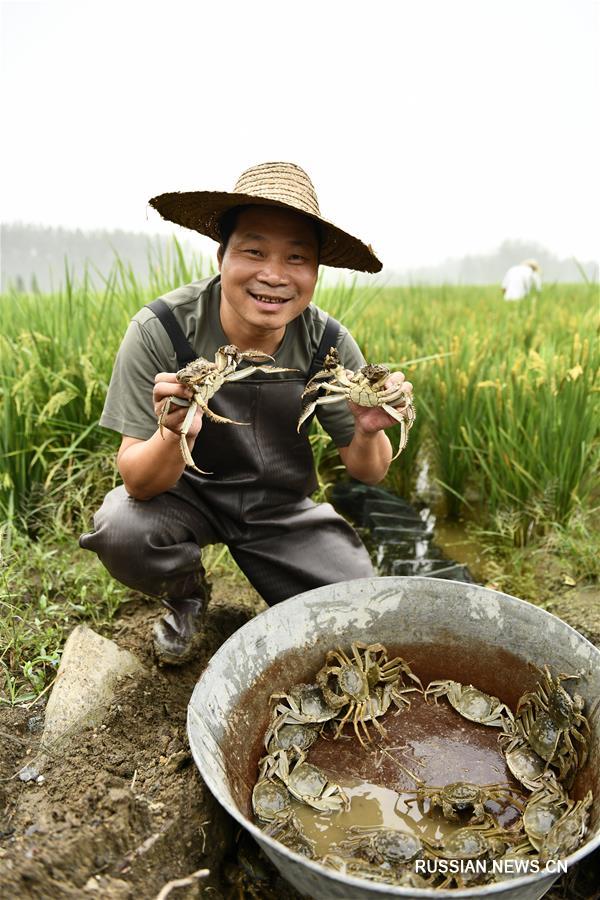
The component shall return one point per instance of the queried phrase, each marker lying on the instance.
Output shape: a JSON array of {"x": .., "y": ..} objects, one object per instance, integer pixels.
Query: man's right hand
[
  {"x": 149, "y": 467},
  {"x": 165, "y": 386}
]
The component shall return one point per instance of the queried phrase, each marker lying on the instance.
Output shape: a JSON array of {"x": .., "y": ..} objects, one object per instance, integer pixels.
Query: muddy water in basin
[
  {"x": 371, "y": 806},
  {"x": 430, "y": 740}
]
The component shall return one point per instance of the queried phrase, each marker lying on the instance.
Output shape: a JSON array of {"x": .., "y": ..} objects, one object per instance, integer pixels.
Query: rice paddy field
[{"x": 507, "y": 398}]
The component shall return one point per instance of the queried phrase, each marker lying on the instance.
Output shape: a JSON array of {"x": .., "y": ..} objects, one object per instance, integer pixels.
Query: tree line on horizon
[{"x": 34, "y": 259}]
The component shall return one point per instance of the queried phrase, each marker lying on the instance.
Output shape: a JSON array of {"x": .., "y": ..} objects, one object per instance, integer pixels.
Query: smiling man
[{"x": 149, "y": 532}]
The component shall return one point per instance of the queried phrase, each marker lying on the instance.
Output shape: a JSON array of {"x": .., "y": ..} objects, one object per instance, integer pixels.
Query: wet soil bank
[{"x": 121, "y": 809}]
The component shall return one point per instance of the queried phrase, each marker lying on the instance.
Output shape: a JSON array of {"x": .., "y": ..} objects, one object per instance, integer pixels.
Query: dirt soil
[{"x": 122, "y": 811}]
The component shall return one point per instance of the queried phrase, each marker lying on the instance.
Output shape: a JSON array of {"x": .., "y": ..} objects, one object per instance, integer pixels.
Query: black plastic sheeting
[{"x": 399, "y": 537}]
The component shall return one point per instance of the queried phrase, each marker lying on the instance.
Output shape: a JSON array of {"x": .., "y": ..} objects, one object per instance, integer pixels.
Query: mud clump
[{"x": 120, "y": 809}]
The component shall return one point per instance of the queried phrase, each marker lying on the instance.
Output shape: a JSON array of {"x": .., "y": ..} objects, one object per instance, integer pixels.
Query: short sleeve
[
  {"x": 128, "y": 408},
  {"x": 336, "y": 418}
]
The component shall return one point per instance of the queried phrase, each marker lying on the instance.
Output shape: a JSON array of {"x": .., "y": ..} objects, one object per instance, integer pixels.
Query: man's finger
[
  {"x": 397, "y": 377},
  {"x": 170, "y": 389},
  {"x": 165, "y": 376}
]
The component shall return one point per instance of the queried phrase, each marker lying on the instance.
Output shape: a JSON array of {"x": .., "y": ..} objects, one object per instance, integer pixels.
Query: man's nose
[{"x": 273, "y": 272}]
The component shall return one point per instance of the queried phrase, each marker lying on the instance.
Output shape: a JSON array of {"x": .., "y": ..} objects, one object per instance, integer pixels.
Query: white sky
[{"x": 430, "y": 128}]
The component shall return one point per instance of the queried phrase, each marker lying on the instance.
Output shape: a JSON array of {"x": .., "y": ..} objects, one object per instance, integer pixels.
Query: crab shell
[
  {"x": 385, "y": 845},
  {"x": 270, "y": 799},
  {"x": 526, "y": 766},
  {"x": 292, "y": 738}
]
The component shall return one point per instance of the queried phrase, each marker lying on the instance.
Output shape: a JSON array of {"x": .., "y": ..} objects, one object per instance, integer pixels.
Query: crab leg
[
  {"x": 311, "y": 406},
  {"x": 185, "y": 450},
  {"x": 245, "y": 373},
  {"x": 166, "y": 409},
  {"x": 221, "y": 420}
]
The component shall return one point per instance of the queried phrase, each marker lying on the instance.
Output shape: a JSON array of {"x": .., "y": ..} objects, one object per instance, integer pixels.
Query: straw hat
[
  {"x": 268, "y": 184},
  {"x": 532, "y": 263}
]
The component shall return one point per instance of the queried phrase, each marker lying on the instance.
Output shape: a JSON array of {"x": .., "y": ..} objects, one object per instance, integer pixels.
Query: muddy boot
[{"x": 177, "y": 635}]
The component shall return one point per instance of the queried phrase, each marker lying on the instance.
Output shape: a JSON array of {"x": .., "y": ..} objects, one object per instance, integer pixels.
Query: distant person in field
[
  {"x": 149, "y": 532},
  {"x": 521, "y": 280}
]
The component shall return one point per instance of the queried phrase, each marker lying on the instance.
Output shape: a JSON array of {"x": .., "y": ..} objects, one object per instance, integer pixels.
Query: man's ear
[{"x": 220, "y": 254}]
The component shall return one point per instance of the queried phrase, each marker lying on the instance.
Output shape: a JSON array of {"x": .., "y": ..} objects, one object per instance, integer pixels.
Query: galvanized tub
[{"x": 447, "y": 629}]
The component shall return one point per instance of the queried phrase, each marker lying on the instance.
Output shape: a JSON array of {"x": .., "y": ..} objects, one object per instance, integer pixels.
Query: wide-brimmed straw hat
[
  {"x": 532, "y": 263},
  {"x": 268, "y": 184}
]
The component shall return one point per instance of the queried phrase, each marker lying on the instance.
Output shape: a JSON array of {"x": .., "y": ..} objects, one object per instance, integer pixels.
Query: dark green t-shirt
[{"x": 146, "y": 350}]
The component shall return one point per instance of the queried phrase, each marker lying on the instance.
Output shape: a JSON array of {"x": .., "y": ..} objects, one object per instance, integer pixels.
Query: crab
[
  {"x": 471, "y": 703},
  {"x": 384, "y": 845},
  {"x": 567, "y": 833},
  {"x": 553, "y": 721},
  {"x": 360, "y": 868},
  {"x": 543, "y": 810},
  {"x": 306, "y": 782},
  {"x": 552, "y": 743},
  {"x": 365, "y": 387},
  {"x": 473, "y": 842},
  {"x": 460, "y": 797},
  {"x": 551, "y": 696},
  {"x": 303, "y": 704},
  {"x": 288, "y": 831},
  {"x": 292, "y": 738},
  {"x": 526, "y": 766},
  {"x": 366, "y": 683},
  {"x": 542, "y": 738},
  {"x": 205, "y": 378},
  {"x": 270, "y": 800}
]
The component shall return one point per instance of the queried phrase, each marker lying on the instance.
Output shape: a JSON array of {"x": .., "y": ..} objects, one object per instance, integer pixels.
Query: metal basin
[{"x": 447, "y": 629}]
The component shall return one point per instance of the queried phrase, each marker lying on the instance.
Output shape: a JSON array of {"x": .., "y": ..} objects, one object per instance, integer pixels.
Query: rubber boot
[{"x": 177, "y": 635}]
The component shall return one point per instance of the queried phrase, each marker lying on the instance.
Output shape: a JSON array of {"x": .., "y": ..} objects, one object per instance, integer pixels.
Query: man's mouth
[{"x": 268, "y": 298}]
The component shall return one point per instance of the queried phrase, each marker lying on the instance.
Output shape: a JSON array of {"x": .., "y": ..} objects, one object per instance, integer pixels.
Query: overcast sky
[{"x": 430, "y": 128}]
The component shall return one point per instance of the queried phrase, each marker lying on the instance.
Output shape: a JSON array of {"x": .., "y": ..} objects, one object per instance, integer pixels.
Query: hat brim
[{"x": 202, "y": 210}]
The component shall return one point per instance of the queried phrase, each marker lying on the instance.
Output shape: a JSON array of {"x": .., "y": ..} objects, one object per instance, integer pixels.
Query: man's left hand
[{"x": 369, "y": 419}]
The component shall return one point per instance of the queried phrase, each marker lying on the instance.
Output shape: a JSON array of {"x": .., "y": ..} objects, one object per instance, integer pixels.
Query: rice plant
[
  {"x": 507, "y": 405},
  {"x": 507, "y": 412}
]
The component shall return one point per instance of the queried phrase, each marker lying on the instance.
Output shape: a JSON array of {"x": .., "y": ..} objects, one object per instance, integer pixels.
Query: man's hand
[
  {"x": 370, "y": 419},
  {"x": 368, "y": 456},
  {"x": 149, "y": 467},
  {"x": 165, "y": 386}
]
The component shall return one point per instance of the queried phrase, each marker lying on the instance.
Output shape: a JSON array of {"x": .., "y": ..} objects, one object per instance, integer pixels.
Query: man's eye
[
  {"x": 252, "y": 250},
  {"x": 296, "y": 257}
]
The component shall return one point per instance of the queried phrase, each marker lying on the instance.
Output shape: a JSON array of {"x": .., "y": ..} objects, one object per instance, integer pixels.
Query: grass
[
  {"x": 507, "y": 413},
  {"x": 46, "y": 589},
  {"x": 551, "y": 564}
]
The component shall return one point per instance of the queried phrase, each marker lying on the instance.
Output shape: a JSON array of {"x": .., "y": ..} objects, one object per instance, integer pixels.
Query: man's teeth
[{"x": 264, "y": 299}]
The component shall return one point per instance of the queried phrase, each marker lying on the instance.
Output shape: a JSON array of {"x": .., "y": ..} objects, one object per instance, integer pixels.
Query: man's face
[{"x": 269, "y": 268}]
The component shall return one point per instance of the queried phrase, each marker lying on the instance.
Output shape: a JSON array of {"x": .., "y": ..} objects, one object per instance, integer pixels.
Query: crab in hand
[
  {"x": 369, "y": 387},
  {"x": 204, "y": 379}
]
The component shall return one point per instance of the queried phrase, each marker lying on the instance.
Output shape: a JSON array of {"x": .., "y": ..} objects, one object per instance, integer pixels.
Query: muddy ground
[{"x": 122, "y": 810}]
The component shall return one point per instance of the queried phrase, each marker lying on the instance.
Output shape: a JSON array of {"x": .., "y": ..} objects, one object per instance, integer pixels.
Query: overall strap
[
  {"x": 183, "y": 349},
  {"x": 331, "y": 336}
]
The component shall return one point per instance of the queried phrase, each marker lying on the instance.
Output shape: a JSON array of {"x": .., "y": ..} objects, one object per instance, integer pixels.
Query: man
[
  {"x": 149, "y": 532},
  {"x": 520, "y": 280}
]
